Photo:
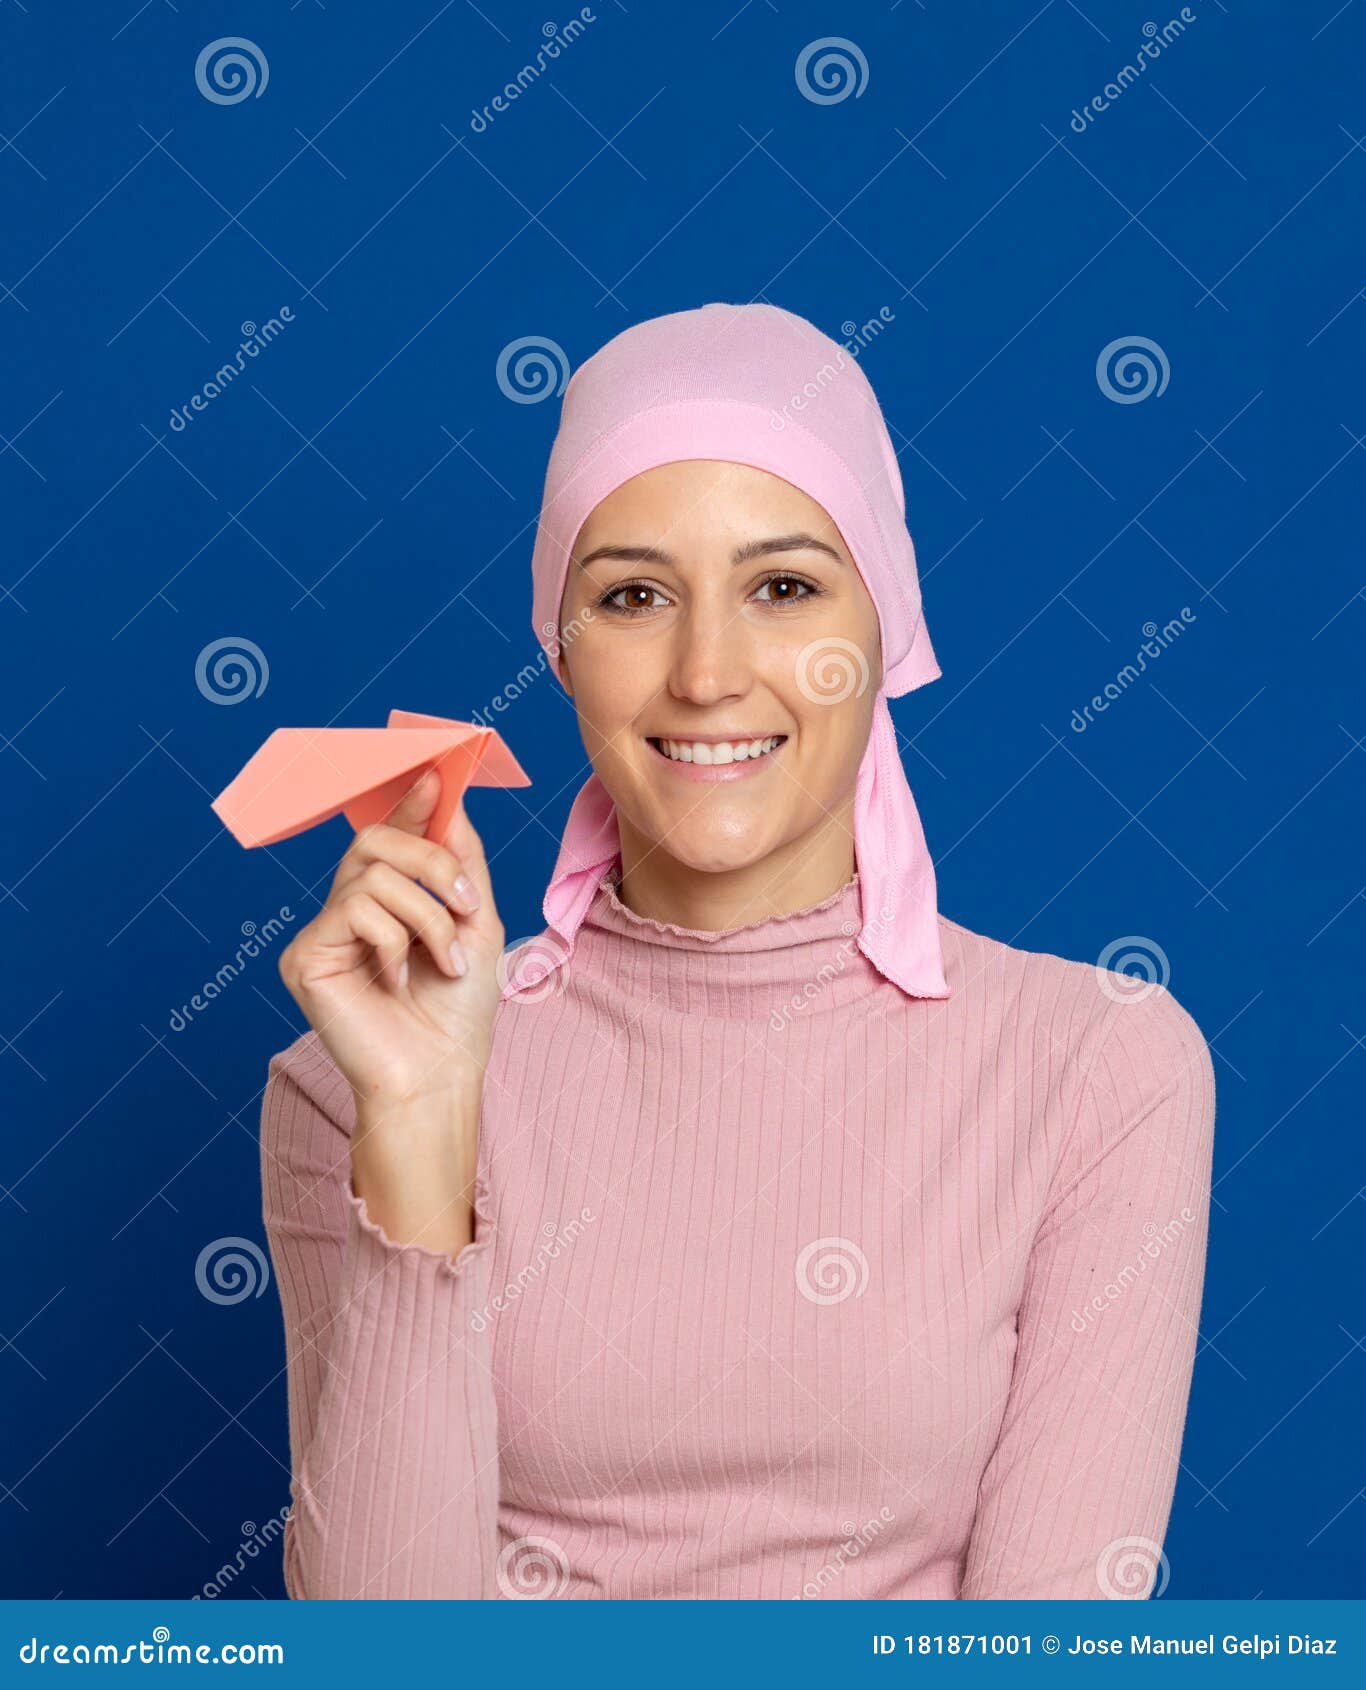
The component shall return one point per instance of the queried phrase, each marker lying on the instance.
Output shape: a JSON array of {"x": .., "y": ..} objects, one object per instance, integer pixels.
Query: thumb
[{"x": 414, "y": 810}]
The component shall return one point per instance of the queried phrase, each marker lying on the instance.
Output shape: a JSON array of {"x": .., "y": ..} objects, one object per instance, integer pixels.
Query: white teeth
[{"x": 699, "y": 751}]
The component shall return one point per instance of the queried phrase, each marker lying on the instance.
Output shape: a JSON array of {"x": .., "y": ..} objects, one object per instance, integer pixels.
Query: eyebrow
[{"x": 743, "y": 554}]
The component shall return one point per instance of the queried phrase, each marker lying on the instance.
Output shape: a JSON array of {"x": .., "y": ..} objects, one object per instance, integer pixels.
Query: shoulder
[
  {"x": 1099, "y": 1018},
  {"x": 1123, "y": 1068}
]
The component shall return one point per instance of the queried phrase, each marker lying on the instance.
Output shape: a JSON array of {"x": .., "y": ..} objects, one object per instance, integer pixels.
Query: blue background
[{"x": 360, "y": 505}]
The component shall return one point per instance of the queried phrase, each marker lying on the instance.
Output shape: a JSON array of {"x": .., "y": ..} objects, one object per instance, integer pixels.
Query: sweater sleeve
[
  {"x": 393, "y": 1435},
  {"x": 1075, "y": 1500}
]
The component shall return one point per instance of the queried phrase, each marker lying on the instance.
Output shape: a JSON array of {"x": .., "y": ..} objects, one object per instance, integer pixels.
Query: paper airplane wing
[{"x": 303, "y": 776}]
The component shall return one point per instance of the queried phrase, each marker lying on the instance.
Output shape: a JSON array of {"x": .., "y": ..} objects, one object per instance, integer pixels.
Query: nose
[{"x": 711, "y": 661}]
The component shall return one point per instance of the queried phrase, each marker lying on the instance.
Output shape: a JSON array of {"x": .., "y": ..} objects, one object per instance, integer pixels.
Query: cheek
[
  {"x": 831, "y": 740},
  {"x": 608, "y": 695},
  {"x": 834, "y": 667}
]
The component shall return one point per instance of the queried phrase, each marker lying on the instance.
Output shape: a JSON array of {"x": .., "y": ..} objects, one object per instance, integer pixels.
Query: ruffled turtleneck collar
[{"x": 781, "y": 968}]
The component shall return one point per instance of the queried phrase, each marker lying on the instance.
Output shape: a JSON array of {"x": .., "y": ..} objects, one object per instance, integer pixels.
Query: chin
[
  {"x": 712, "y": 862},
  {"x": 711, "y": 851}
]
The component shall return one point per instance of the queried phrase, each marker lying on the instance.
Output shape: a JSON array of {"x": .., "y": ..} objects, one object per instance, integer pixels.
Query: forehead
[{"x": 701, "y": 496}]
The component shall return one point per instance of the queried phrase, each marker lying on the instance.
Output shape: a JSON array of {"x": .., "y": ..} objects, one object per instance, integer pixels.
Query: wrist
[{"x": 414, "y": 1166}]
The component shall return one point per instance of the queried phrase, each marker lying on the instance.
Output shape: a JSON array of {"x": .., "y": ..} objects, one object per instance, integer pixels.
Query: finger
[
  {"x": 436, "y": 868},
  {"x": 386, "y": 936},
  {"x": 464, "y": 842},
  {"x": 423, "y": 919},
  {"x": 410, "y": 816}
]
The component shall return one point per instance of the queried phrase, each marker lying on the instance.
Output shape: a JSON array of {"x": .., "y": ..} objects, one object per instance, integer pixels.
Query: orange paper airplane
[{"x": 303, "y": 776}]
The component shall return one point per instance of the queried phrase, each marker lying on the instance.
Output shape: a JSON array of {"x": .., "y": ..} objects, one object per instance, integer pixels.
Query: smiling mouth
[{"x": 713, "y": 755}]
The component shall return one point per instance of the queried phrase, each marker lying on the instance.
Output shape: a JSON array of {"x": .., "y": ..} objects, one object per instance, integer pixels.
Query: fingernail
[
  {"x": 459, "y": 961},
  {"x": 403, "y": 975},
  {"x": 465, "y": 894}
]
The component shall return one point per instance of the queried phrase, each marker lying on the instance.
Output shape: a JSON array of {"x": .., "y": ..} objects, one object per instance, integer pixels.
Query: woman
[{"x": 760, "y": 1232}]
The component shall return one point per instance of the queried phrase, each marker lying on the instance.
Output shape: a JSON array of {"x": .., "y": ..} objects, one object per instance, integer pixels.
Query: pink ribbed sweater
[{"x": 784, "y": 1284}]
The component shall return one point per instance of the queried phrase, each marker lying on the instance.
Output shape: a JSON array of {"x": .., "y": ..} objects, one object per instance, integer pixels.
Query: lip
[{"x": 746, "y": 769}]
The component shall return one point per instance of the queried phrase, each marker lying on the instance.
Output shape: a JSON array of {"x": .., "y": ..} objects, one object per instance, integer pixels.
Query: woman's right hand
[
  {"x": 398, "y": 975},
  {"x": 397, "y": 972}
]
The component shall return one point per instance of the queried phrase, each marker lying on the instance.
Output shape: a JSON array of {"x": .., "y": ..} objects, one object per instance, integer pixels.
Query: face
[{"x": 723, "y": 656}]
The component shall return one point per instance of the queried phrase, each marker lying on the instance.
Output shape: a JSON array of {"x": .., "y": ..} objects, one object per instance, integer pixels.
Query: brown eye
[
  {"x": 786, "y": 589},
  {"x": 631, "y": 598}
]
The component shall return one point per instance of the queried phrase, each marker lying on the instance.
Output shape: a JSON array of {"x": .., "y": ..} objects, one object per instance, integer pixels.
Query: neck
[{"x": 805, "y": 871}]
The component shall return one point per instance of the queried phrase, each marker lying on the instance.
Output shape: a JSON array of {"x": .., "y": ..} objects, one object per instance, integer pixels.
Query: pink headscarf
[{"x": 756, "y": 385}]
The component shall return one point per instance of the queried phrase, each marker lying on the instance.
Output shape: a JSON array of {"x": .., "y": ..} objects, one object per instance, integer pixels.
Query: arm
[
  {"x": 393, "y": 1434},
  {"x": 1075, "y": 1500}
]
